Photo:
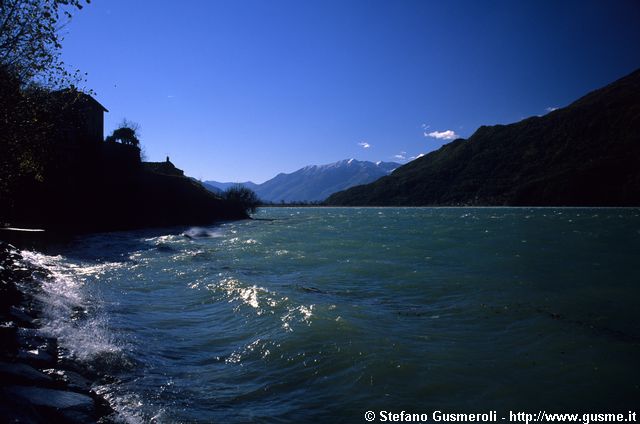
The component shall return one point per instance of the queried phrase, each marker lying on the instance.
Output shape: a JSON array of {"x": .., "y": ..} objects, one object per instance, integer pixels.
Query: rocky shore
[{"x": 37, "y": 383}]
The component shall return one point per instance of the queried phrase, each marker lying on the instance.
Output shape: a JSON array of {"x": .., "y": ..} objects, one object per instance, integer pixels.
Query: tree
[
  {"x": 30, "y": 40},
  {"x": 126, "y": 133},
  {"x": 243, "y": 198},
  {"x": 30, "y": 45}
]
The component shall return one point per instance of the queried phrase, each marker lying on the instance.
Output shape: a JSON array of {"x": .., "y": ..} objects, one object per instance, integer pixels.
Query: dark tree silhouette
[
  {"x": 30, "y": 42},
  {"x": 125, "y": 136},
  {"x": 127, "y": 133},
  {"x": 29, "y": 61},
  {"x": 242, "y": 197}
]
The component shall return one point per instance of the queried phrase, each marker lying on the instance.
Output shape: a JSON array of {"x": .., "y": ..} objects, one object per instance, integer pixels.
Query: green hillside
[{"x": 587, "y": 153}]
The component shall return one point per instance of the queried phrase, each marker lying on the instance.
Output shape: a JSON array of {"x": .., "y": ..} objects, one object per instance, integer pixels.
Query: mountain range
[
  {"x": 586, "y": 154},
  {"x": 315, "y": 182}
]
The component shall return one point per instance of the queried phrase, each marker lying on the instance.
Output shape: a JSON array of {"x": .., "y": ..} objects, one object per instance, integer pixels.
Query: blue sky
[{"x": 242, "y": 90}]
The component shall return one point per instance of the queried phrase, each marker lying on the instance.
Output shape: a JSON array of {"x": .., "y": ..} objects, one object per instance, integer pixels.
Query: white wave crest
[{"x": 69, "y": 312}]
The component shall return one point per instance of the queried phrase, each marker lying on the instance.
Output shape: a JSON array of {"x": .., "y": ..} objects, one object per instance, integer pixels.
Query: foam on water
[
  {"x": 200, "y": 232},
  {"x": 263, "y": 301},
  {"x": 71, "y": 314}
]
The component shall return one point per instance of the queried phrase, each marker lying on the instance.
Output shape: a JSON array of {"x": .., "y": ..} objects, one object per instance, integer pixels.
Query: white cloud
[
  {"x": 416, "y": 157},
  {"x": 364, "y": 144},
  {"x": 551, "y": 108},
  {"x": 400, "y": 156},
  {"x": 442, "y": 135}
]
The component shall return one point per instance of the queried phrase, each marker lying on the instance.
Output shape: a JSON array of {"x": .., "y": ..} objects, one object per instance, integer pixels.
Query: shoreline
[{"x": 37, "y": 384}]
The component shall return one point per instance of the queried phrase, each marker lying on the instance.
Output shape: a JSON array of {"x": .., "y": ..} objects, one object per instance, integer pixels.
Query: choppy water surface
[{"x": 313, "y": 314}]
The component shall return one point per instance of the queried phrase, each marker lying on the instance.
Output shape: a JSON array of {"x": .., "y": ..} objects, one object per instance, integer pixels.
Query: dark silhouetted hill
[
  {"x": 586, "y": 154},
  {"x": 165, "y": 168},
  {"x": 57, "y": 173},
  {"x": 107, "y": 188}
]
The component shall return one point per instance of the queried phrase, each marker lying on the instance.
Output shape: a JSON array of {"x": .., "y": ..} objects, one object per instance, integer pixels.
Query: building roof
[
  {"x": 80, "y": 97},
  {"x": 90, "y": 98}
]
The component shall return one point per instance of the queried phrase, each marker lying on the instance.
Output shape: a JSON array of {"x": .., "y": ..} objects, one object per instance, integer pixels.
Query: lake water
[{"x": 320, "y": 314}]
